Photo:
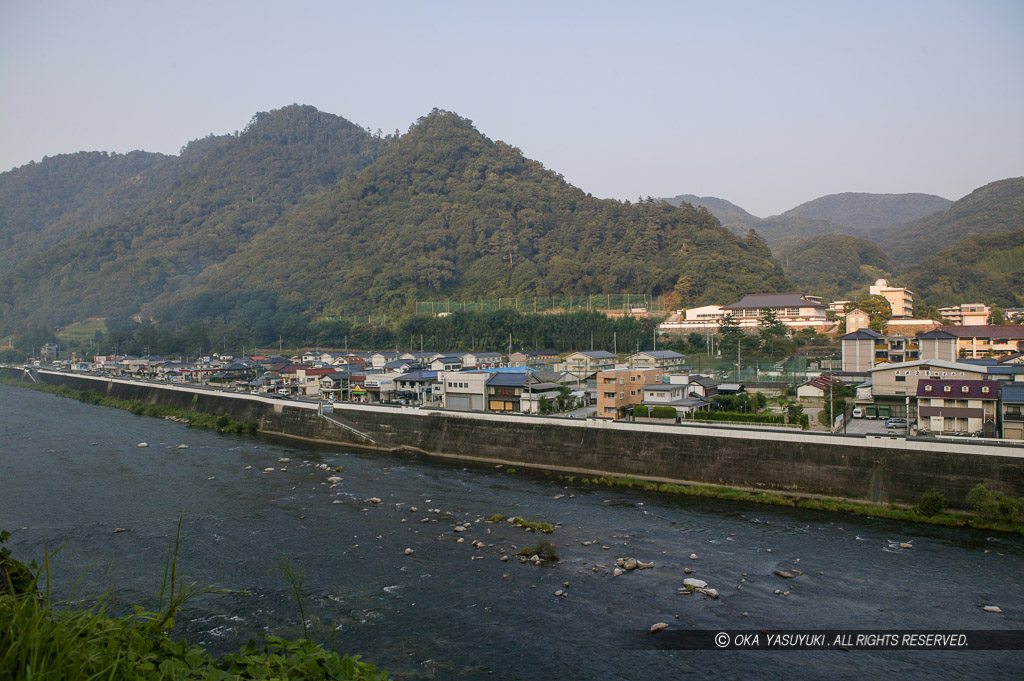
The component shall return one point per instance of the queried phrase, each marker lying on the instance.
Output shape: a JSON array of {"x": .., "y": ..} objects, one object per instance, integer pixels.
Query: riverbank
[{"x": 391, "y": 439}]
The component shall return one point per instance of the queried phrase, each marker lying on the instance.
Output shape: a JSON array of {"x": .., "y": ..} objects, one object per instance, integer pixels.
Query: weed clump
[{"x": 544, "y": 549}]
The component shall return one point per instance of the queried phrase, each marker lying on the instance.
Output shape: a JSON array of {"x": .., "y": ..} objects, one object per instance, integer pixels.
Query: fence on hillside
[{"x": 622, "y": 303}]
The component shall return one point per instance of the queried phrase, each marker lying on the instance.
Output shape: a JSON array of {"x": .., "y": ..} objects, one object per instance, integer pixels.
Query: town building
[
  {"x": 901, "y": 300},
  {"x": 1012, "y": 417},
  {"x": 537, "y": 359},
  {"x": 586, "y": 362},
  {"x": 987, "y": 340},
  {"x": 794, "y": 310},
  {"x": 967, "y": 314},
  {"x": 669, "y": 361},
  {"x": 954, "y": 406},
  {"x": 466, "y": 390},
  {"x": 619, "y": 390},
  {"x": 894, "y": 386}
]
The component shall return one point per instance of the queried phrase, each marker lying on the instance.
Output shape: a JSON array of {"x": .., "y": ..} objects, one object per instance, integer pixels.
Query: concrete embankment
[{"x": 878, "y": 470}]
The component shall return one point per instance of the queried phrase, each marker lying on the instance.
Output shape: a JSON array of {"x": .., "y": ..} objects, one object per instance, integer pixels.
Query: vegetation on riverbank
[
  {"x": 41, "y": 638},
  {"x": 223, "y": 423},
  {"x": 995, "y": 511}
]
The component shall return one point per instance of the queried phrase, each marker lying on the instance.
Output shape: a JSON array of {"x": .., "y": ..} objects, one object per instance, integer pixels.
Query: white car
[{"x": 858, "y": 413}]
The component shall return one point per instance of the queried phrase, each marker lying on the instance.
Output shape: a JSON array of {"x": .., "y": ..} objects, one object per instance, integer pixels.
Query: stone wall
[{"x": 880, "y": 470}]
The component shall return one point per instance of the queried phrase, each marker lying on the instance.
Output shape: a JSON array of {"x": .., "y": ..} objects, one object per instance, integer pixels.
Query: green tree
[
  {"x": 878, "y": 309},
  {"x": 768, "y": 329}
]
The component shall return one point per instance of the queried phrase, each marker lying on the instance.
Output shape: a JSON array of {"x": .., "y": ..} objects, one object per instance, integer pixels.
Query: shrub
[
  {"x": 663, "y": 412},
  {"x": 931, "y": 503},
  {"x": 640, "y": 411},
  {"x": 996, "y": 505}
]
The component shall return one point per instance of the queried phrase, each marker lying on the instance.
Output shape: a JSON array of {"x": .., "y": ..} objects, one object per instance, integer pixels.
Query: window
[
  {"x": 632, "y": 393},
  {"x": 984, "y": 389},
  {"x": 927, "y": 388},
  {"x": 632, "y": 379},
  {"x": 965, "y": 389},
  {"x": 622, "y": 396},
  {"x": 946, "y": 389},
  {"x": 901, "y": 379}
]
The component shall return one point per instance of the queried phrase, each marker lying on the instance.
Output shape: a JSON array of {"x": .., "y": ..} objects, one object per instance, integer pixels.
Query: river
[{"x": 71, "y": 474}]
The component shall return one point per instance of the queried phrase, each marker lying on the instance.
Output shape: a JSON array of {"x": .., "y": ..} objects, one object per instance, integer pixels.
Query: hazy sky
[{"x": 767, "y": 104}]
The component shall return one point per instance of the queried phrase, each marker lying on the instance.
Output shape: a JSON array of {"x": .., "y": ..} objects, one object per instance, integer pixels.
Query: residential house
[
  {"x": 668, "y": 361},
  {"x": 1012, "y": 417},
  {"x": 505, "y": 390},
  {"x": 819, "y": 387},
  {"x": 540, "y": 386},
  {"x": 481, "y": 360},
  {"x": 335, "y": 386},
  {"x": 676, "y": 395},
  {"x": 533, "y": 358},
  {"x": 307, "y": 379},
  {"x": 857, "y": 319},
  {"x": 587, "y": 362},
  {"x": 697, "y": 385},
  {"x": 446, "y": 363},
  {"x": 619, "y": 390},
  {"x": 420, "y": 386},
  {"x": 957, "y": 406}
]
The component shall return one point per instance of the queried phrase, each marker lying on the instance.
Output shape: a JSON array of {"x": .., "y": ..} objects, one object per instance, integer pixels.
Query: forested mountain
[
  {"x": 238, "y": 187},
  {"x": 856, "y": 214},
  {"x": 860, "y": 214},
  {"x": 732, "y": 217},
  {"x": 985, "y": 268},
  {"x": 37, "y": 195},
  {"x": 833, "y": 265},
  {"x": 996, "y": 207},
  {"x": 447, "y": 213}
]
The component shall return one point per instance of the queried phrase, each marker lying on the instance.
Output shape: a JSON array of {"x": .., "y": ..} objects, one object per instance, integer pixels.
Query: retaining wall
[{"x": 879, "y": 470}]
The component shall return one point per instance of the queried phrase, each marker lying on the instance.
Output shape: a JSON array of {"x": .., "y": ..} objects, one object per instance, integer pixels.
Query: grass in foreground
[{"x": 42, "y": 639}]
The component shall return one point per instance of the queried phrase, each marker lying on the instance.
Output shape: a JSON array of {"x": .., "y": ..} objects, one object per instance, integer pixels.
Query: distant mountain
[
  {"x": 307, "y": 216},
  {"x": 447, "y": 213},
  {"x": 984, "y": 268},
  {"x": 192, "y": 219},
  {"x": 732, "y": 217},
  {"x": 833, "y": 265},
  {"x": 36, "y": 196},
  {"x": 849, "y": 213},
  {"x": 996, "y": 207}
]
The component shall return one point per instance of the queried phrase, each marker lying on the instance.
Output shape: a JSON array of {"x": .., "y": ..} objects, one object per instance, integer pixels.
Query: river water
[{"x": 72, "y": 473}]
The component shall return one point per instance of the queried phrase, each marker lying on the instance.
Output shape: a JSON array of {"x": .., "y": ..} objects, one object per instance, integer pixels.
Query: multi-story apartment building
[
  {"x": 966, "y": 314},
  {"x": 988, "y": 340},
  {"x": 619, "y": 390},
  {"x": 957, "y": 406},
  {"x": 669, "y": 361},
  {"x": 901, "y": 300}
]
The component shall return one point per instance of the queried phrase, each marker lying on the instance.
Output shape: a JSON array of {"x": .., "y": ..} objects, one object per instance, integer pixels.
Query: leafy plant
[{"x": 931, "y": 503}]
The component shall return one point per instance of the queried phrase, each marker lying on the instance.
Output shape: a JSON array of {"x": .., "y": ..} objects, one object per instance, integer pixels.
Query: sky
[{"x": 765, "y": 104}]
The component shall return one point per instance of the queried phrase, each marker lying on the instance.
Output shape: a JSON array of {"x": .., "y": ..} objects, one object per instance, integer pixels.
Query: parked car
[
  {"x": 896, "y": 422},
  {"x": 858, "y": 413}
]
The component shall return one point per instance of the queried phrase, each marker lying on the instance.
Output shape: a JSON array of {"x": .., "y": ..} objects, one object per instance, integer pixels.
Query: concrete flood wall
[{"x": 879, "y": 470}]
